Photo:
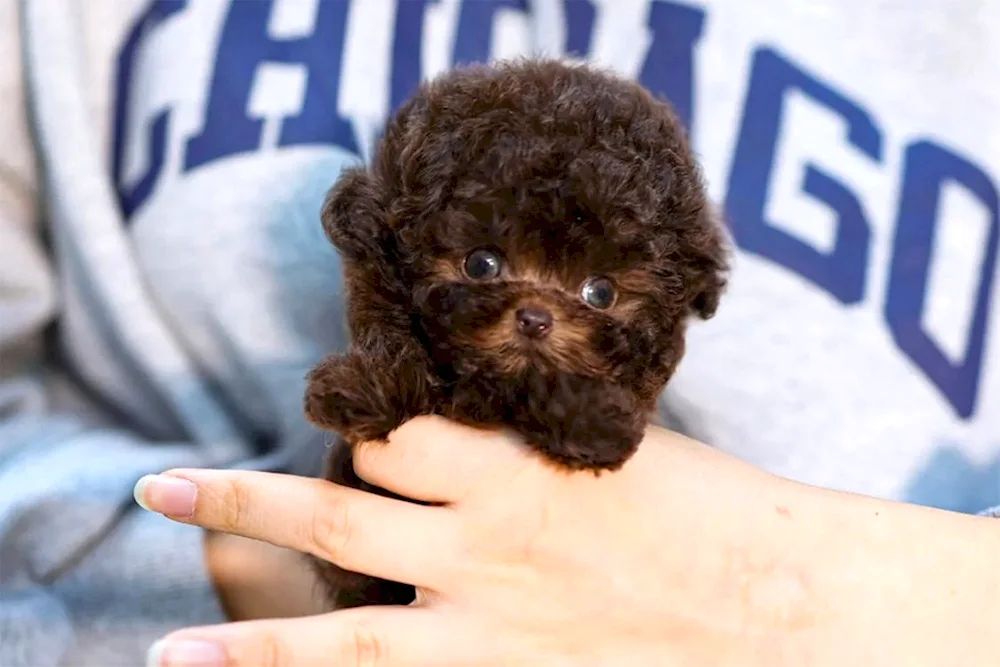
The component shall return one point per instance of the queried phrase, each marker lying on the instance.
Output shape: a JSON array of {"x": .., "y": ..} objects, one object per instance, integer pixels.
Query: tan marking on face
[
  {"x": 636, "y": 281},
  {"x": 529, "y": 274},
  {"x": 632, "y": 286},
  {"x": 567, "y": 348},
  {"x": 627, "y": 306},
  {"x": 448, "y": 269}
]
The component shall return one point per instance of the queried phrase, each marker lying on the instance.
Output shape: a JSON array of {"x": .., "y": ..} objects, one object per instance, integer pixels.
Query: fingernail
[
  {"x": 170, "y": 496},
  {"x": 185, "y": 653}
]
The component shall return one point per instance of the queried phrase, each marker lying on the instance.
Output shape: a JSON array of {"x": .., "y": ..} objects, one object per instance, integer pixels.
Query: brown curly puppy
[{"x": 524, "y": 251}]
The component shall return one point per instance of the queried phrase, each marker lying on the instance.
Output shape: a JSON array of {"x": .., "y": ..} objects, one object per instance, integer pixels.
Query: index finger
[{"x": 356, "y": 530}]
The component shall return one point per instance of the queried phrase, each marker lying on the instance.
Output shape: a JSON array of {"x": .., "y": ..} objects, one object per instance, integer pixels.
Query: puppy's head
[{"x": 533, "y": 217}]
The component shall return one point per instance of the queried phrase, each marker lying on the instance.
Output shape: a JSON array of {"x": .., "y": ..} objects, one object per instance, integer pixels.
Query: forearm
[{"x": 909, "y": 585}]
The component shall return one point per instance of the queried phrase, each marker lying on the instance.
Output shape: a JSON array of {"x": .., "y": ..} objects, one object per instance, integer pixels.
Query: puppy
[{"x": 524, "y": 252}]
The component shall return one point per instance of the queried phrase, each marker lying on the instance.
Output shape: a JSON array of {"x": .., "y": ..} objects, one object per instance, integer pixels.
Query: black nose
[{"x": 534, "y": 322}]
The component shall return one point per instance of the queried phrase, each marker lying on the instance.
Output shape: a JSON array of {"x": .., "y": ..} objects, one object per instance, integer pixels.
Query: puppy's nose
[{"x": 534, "y": 322}]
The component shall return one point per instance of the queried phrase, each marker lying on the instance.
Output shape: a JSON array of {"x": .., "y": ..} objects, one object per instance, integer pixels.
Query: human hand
[{"x": 683, "y": 557}]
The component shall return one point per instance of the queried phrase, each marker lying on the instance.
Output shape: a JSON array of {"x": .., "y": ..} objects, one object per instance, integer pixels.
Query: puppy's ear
[
  {"x": 354, "y": 217},
  {"x": 706, "y": 302},
  {"x": 709, "y": 273}
]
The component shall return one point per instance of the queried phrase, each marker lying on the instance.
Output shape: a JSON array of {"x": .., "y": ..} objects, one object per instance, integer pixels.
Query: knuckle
[
  {"x": 364, "y": 648},
  {"x": 365, "y": 457},
  {"x": 235, "y": 508},
  {"x": 269, "y": 651},
  {"x": 415, "y": 429},
  {"x": 330, "y": 529}
]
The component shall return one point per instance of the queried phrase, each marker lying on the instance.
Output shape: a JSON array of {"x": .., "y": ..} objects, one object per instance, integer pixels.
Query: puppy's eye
[
  {"x": 599, "y": 293},
  {"x": 482, "y": 265}
]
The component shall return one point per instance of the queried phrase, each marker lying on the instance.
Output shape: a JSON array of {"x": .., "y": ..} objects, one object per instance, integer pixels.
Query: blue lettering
[
  {"x": 244, "y": 45},
  {"x": 927, "y": 167},
  {"x": 131, "y": 197},
  {"x": 842, "y": 272},
  {"x": 474, "y": 37},
  {"x": 669, "y": 67},
  {"x": 406, "y": 60},
  {"x": 580, "y": 16}
]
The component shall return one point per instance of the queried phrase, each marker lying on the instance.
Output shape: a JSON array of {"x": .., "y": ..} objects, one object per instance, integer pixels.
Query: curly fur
[{"x": 567, "y": 172}]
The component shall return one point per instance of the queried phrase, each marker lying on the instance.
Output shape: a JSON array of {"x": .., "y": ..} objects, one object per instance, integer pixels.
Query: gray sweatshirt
[{"x": 165, "y": 284}]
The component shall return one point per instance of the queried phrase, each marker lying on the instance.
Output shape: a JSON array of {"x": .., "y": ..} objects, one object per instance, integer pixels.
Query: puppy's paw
[
  {"x": 346, "y": 589},
  {"x": 583, "y": 424},
  {"x": 355, "y": 396}
]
